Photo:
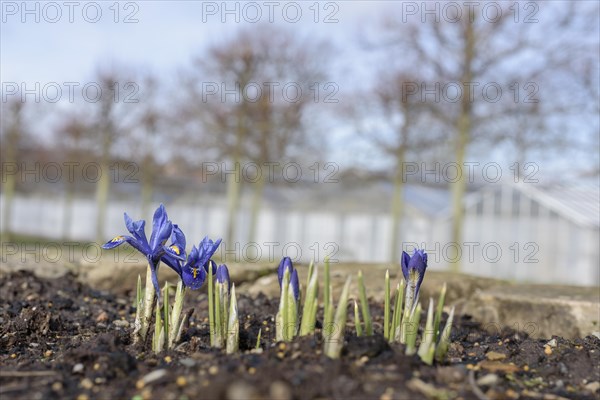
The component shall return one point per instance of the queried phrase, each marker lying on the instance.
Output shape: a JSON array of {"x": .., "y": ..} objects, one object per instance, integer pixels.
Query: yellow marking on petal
[
  {"x": 117, "y": 239},
  {"x": 195, "y": 271},
  {"x": 175, "y": 248}
]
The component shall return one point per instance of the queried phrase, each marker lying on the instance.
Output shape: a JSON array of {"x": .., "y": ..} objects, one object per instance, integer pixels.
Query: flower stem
[
  {"x": 386, "y": 307},
  {"x": 176, "y": 314},
  {"x": 211, "y": 307},
  {"x": 146, "y": 316}
]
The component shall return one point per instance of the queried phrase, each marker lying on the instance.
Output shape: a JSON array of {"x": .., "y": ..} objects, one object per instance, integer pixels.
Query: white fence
[{"x": 546, "y": 248}]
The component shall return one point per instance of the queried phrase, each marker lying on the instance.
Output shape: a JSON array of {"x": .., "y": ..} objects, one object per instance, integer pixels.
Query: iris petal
[
  {"x": 178, "y": 237},
  {"x": 137, "y": 229},
  {"x": 286, "y": 263},
  {"x": 161, "y": 227},
  {"x": 223, "y": 275},
  {"x": 295, "y": 284},
  {"x": 404, "y": 262},
  {"x": 206, "y": 250},
  {"x": 193, "y": 277}
]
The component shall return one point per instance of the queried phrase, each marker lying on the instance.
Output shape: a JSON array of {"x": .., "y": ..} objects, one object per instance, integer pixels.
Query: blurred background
[{"x": 348, "y": 129}]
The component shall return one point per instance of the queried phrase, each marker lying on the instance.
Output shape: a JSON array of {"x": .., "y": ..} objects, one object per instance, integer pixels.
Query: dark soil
[{"x": 59, "y": 339}]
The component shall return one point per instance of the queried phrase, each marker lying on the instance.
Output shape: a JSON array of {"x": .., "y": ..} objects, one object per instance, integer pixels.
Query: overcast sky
[{"x": 67, "y": 42}]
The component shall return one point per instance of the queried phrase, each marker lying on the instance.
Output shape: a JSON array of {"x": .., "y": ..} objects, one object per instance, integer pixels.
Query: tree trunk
[
  {"x": 147, "y": 189},
  {"x": 102, "y": 189},
  {"x": 463, "y": 134},
  {"x": 234, "y": 182},
  {"x": 397, "y": 208},
  {"x": 10, "y": 184},
  {"x": 68, "y": 213},
  {"x": 257, "y": 198},
  {"x": 9, "y": 194}
]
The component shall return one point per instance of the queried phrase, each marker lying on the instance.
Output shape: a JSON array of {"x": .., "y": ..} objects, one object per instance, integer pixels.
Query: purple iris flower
[
  {"x": 413, "y": 268},
  {"x": 155, "y": 249},
  {"x": 286, "y": 264},
  {"x": 223, "y": 276},
  {"x": 194, "y": 271}
]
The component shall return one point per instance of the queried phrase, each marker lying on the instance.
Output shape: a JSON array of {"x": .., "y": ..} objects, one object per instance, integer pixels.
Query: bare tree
[
  {"x": 109, "y": 117},
  {"x": 484, "y": 56},
  {"x": 144, "y": 140},
  {"x": 73, "y": 139},
  {"x": 392, "y": 118},
  {"x": 244, "y": 114},
  {"x": 13, "y": 134}
]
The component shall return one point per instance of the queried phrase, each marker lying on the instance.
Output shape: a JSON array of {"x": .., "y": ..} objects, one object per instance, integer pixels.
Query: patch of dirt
[{"x": 61, "y": 339}]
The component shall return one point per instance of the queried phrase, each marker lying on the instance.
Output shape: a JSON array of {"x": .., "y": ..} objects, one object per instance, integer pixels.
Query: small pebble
[
  {"x": 239, "y": 391},
  {"x": 86, "y": 383},
  {"x": 552, "y": 343},
  {"x": 388, "y": 394},
  {"x": 495, "y": 356},
  {"x": 187, "y": 362},
  {"x": 102, "y": 317},
  {"x": 121, "y": 323},
  {"x": 488, "y": 380},
  {"x": 563, "y": 368},
  {"x": 280, "y": 390},
  {"x": 592, "y": 386},
  {"x": 153, "y": 376},
  {"x": 146, "y": 394},
  {"x": 78, "y": 368}
]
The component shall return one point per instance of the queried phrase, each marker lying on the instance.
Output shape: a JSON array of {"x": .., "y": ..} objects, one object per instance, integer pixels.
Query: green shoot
[
  {"x": 427, "y": 347},
  {"x": 211, "y": 307},
  {"x": 233, "y": 326},
  {"x": 281, "y": 321},
  {"x": 438, "y": 312},
  {"x": 258, "y": 339},
  {"x": 364, "y": 305},
  {"x": 334, "y": 341},
  {"x": 411, "y": 328},
  {"x": 442, "y": 347},
  {"x": 386, "y": 307},
  {"x": 138, "y": 292},
  {"x": 146, "y": 314},
  {"x": 309, "y": 314},
  {"x": 327, "y": 300},
  {"x": 158, "y": 339},
  {"x": 397, "y": 317},
  {"x": 357, "y": 320},
  {"x": 166, "y": 309},
  {"x": 175, "y": 324}
]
